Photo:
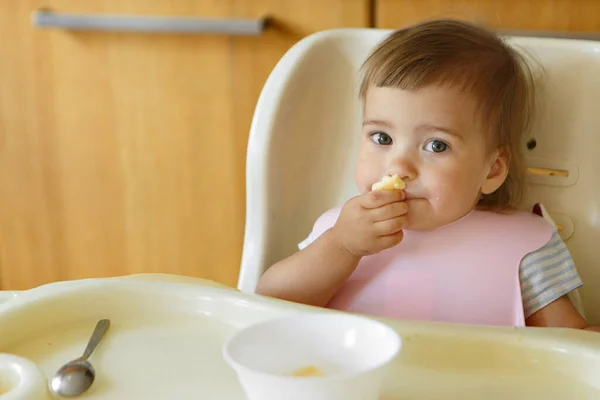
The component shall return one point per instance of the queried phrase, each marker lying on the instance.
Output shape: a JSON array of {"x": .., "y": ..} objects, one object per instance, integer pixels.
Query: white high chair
[{"x": 305, "y": 132}]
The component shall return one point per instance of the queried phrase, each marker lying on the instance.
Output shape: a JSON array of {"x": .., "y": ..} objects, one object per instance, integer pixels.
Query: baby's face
[{"x": 432, "y": 139}]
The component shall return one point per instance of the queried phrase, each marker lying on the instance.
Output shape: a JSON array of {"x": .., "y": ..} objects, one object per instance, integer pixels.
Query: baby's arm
[
  {"x": 366, "y": 225},
  {"x": 312, "y": 275},
  {"x": 561, "y": 313},
  {"x": 547, "y": 276}
]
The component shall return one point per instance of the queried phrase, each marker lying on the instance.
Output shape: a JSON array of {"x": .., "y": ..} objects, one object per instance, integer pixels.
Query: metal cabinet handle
[
  {"x": 148, "y": 24},
  {"x": 595, "y": 36}
]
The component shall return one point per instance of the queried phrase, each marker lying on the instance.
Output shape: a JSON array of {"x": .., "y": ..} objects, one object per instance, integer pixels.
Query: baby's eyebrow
[
  {"x": 435, "y": 128},
  {"x": 421, "y": 129},
  {"x": 378, "y": 122}
]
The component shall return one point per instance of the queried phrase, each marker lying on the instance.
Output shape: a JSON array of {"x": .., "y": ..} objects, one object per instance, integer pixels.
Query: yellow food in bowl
[{"x": 310, "y": 371}]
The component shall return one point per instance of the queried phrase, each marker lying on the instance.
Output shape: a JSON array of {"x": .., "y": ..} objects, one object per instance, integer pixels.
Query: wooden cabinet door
[
  {"x": 124, "y": 153},
  {"x": 539, "y": 15}
]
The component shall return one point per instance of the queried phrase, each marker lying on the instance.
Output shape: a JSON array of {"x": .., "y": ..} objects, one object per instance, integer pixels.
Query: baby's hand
[{"x": 371, "y": 222}]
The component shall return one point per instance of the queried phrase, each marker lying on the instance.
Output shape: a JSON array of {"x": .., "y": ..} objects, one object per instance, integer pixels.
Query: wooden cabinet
[
  {"x": 538, "y": 15},
  {"x": 125, "y": 153}
]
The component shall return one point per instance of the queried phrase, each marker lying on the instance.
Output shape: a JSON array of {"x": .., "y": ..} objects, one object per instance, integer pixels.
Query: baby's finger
[
  {"x": 390, "y": 226},
  {"x": 390, "y": 240},
  {"x": 378, "y": 198},
  {"x": 389, "y": 211}
]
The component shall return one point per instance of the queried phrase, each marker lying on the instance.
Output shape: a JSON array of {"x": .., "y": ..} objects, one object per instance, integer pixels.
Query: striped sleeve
[{"x": 546, "y": 275}]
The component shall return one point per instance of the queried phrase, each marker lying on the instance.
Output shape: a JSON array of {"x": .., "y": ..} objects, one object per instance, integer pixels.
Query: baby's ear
[{"x": 498, "y": 170}]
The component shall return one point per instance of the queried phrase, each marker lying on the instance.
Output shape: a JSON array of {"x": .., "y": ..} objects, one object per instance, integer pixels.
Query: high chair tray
[{"x": 166, "y": 336}]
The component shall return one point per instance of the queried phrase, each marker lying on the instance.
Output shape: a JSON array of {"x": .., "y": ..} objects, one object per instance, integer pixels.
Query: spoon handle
[{"x": 101, "y": 328}]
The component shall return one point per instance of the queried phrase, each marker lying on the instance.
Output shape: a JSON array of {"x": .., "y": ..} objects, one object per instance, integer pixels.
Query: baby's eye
[
  {"x": 436, "y": 146},
  {"x": 381, "y": 138}
]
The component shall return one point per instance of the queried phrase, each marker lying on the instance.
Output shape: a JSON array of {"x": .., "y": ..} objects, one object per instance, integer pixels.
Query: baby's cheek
[
  {"x": 363, "y": 183},
  {"x": 447, "y": 190},
  {"x": 448, "y": 182},
  {"x": 365, "y": 176}
]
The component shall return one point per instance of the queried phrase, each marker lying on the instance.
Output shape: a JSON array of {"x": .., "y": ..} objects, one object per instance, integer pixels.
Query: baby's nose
[{"x": 404, "y": 168}]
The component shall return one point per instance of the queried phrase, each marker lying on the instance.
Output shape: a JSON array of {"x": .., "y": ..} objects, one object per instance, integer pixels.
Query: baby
[{"x": 446, "y": 105}]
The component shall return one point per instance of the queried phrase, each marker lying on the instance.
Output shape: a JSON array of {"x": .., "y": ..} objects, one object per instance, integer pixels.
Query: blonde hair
[{"x": 462, "y": 54}]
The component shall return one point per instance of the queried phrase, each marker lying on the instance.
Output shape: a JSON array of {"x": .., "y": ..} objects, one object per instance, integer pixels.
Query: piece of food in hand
[
  {"x": 389, "y": 182},
  {"x": 309, "y": 371}
]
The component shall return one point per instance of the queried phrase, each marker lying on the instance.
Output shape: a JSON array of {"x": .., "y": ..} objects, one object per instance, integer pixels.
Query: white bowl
[{"x": 352, "y": 352}]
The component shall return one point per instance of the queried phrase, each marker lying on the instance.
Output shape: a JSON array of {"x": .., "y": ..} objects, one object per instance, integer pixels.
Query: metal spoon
[{"x": 75, "y": 377}]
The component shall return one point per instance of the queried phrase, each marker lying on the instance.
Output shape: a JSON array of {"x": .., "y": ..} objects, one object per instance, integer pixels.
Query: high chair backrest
[{"x": 305, "y": 132}]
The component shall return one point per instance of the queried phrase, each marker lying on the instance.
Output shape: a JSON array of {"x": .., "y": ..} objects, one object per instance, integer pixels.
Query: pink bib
[{"x": 464, "y": 272}]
